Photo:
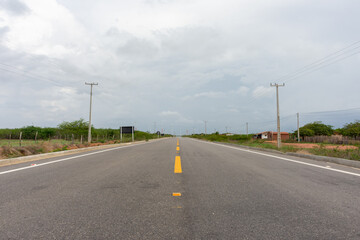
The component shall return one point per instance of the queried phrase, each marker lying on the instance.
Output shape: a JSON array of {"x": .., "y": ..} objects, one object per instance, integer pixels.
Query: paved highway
[{"x": 193, "y": 190}]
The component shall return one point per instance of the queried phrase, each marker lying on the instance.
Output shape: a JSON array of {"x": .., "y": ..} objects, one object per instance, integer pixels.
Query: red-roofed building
[{"x": 272, "y": 136}]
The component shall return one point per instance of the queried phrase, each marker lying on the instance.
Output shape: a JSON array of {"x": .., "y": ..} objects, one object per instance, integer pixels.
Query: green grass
[{"x": 351, "y": 154}]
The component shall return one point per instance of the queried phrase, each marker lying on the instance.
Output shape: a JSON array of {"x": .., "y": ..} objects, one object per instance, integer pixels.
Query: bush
[{"x": 351, "y": 129}]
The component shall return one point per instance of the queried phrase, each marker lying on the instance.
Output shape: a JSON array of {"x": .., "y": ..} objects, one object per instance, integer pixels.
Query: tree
[
  {"x": 47, "y": 132},
  {"x": 351, "y": 129},
  {"x": 305, "y": 132},
  {"x": 316, "y": 129},
  {"x": 78, "y": 128},
  {"x": 29, "y": 132}
]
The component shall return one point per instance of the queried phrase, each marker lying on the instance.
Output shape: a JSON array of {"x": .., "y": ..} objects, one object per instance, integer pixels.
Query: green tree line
[
  {"x": 320, "y": 129},
  {"x": 68, "y": 130}
]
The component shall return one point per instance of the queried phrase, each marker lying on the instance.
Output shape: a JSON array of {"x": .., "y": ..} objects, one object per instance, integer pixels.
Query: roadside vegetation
[
  {"x": 330, "y": 150},
  {"x": 66, "y": 136}
]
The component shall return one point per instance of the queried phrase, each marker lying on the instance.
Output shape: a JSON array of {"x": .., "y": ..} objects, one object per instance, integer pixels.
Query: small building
[{"x": 272, "y": 136}]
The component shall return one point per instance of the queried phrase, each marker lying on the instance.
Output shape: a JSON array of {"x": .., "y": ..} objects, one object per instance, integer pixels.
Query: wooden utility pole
[
  {"x": 298, "y": 127},
  {"x": 91, "y": 87},
  {"x": 120, "y": 133},
  {"x": 278, "y": 111},
  {"x": 20, "y": 138},
  {"x": 132, "y": 135}
]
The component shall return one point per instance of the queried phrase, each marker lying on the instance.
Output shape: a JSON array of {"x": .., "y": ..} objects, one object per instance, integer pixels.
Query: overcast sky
[{"x": 178, "y": 62}]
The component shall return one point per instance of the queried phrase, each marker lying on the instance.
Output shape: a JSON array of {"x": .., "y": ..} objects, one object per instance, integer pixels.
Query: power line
[
  {"x": 331, "y": 111},
  {"x": 18, "y": 71},
  {"x": 321, "y": 61},
  {"x": 320, "y": 67},
  {"x": 318, "y": 64}
]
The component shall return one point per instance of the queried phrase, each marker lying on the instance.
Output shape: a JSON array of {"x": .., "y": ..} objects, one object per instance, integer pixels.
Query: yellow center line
[
  {"x": 176, "y": 194},
  {"x": 177, "y": 168},
  {"x": 177, "y": 148}
]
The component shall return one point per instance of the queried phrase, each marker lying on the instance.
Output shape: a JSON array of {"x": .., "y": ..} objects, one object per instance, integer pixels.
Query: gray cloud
[
  {"x": 15, "y": 7},
  {"x": 212, "y": 63},
  {"x": 3, "y": 31}
]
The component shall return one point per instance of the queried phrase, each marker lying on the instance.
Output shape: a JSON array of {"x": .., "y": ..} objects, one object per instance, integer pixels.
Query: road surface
[{"x": 199, "y": 191}]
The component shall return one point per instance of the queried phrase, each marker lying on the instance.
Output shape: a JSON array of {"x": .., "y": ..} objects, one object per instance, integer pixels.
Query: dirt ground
[{"x": 314, "y": 145}]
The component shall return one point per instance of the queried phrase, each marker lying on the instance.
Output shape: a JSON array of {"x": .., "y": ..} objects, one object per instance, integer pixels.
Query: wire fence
[{"x": 334, "y": 139}]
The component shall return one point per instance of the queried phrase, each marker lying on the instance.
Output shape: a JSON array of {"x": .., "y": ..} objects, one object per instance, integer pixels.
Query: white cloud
[
  {"x": 243, "y": 91},
  {"x": 210, "y": 94},
  {"x": 262, "y": 91},
  {"x": 175, "y": 116},
  {"x": 48, "y": 29},
  {"x": 170, "y": 113}
]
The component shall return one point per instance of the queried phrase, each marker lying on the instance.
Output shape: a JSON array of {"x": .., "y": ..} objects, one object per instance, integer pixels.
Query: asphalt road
[{"x": 226, "y": 193}]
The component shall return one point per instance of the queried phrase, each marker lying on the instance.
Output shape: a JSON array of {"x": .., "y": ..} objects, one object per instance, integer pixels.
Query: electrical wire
[
  {"x": 330, "y": 59},
  {"x": 18, "y": 71}
]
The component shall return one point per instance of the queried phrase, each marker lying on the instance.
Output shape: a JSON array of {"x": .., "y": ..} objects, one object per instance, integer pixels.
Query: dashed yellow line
[
  {"x": 176, "y": 194},
  {"x": 177, "y": 168},
  {"x": 177, "y": 148}
]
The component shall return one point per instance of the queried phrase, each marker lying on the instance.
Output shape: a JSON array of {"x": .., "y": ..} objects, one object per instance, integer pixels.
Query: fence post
[
  {"x": 36, "y": 134},
  {"x": 20, "y": 138},
  {"x": 81, "y": 139},
  {"x": 72, "y": 138}
]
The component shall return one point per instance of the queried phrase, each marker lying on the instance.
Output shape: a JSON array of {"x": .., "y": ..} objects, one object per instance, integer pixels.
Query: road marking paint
[
  {"x": 177, "y": 168},
  {"x": 177, "y": 148},
  {"x": 177, "y": 207},
  {"x": 285, "y": 159},
  {"x": 66, "y": 159},
  {"x": 176, "y": 194}
]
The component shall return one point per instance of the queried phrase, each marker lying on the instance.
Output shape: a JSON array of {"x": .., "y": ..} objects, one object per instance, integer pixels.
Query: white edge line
[
  {"x": 282, "y": 158},
  {"x": 68, "y": 158}
]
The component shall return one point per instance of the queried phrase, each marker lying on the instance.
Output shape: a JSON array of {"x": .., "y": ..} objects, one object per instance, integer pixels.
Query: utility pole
[
  {"x": 247, "y": 129},
  {"x": 298, "y": 127},
  {"x": 205, "y": 126},
  {"x": 91, "y": 87},
  {"x": 278, "y": 111},
  {"x": 120, "y": 133},
  {"x": 132, "y": 135}
]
